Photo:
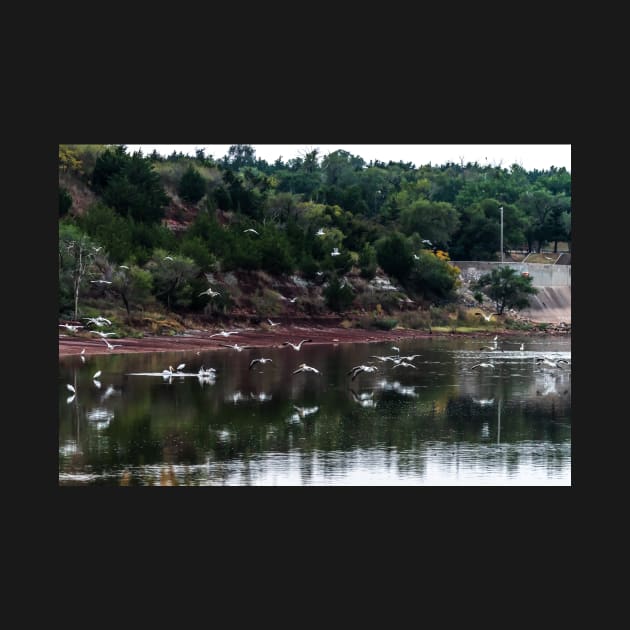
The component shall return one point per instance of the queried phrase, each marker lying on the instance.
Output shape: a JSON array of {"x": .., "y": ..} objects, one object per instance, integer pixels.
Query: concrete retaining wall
[{"x": 542, "y": 275}]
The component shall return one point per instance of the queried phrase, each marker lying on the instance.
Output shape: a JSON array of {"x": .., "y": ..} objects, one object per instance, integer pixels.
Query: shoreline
[{"x": 261, "y": 338}]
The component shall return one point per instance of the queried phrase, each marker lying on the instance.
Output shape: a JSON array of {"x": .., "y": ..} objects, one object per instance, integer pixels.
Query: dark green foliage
[
  {"x": 192, "y": 186},
  {"x": 431, "y": 277},
  {"x": 338, "y": 295},
  {"x": 368, "y": 262},
  {"x": 394, "y": 255},
  {"x": 65, "y": 201},
  {"x": 196, "y": 248},
  {"x": 109, "y": 229},
  {"x": 507, "y": 287}
]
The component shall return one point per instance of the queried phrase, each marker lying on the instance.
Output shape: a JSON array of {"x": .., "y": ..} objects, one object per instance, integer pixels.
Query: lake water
[{"x": 441, "y": 423}]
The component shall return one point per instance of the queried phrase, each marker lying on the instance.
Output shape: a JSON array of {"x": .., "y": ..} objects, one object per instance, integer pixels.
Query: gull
[
  {"x": 102, "y": 335},
  {"x": 111, "y": 346},
  {"x": 206, "y": 372},
  {"x": 124, "y": 267},
  {"x": 209, "y": 292},
  {"x": 292, "y": 300},
  {"x": 319, "y": 273},
  {"x": 416, "y": 257},
  {"x": 396, "y": 348},
  {"x": 71, "y": 327},
  {"x": 97, "y": 375},
  {"x": 302, "y": 412},
  {"x": 97, "y": 321},
  {"x": 486, "y": 317},
  {"x": 168, "y": 258},
  {"x": 410, "y": 357},
  {"x": 547, "y": 257},
  {"x": 273, "y": 323},
  {"x": 225, "y": 333},
  {"x": 320, "y": 232},
  {"x": 262, "y": 360},
  {"x": 180, "y": 367},
  {"x": 100, "y": 281},
  {"x": 383, "y": 359},
  {"x": 483, "y": 401},
  {"x": 550, "y": 363},
  {"x": 483, "y": 365},
  {"x": 489, "y": 348},
  {"x": 252, "y": 230},
  {"x": 71, "y": 388},
  {"x": 357, "y": 369},
  {"x": 260, "y": 396},
  {"x": 306, "y": 368},
  {"x": 427, "y": 241},
  {"x": 296, "y": 347},
  {"x": 97, "y": 384},
  {"x": 335, "y": 252},
  {"x": 108, "y": 392}
]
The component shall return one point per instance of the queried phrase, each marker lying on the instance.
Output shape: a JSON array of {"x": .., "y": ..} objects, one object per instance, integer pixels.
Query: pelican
[
  {"x": 72, "y": 328},
  {"x": 486, "y": 317},
  {"x": 296, "y": 347},
  {"x": 262, "y": 360},
  {"x": 209, "y": 292},
  {"x": 357, "y": 369},
  {"x": 225, "y": 333},
  {"x": 111, "y": 346},
  {"x": 234, "y": 346},
  {"x": 306, "y": 368},
  {"x": 97, "y": 374},
  {"x": 252, "y": 230},
  {"x": 335, "y": 252},
  {"x": 273, "y": 323},
  {"x": 482, "y": 365},
  {"x": 405, "y": 364},
  {"x": 320, "y": 232}
]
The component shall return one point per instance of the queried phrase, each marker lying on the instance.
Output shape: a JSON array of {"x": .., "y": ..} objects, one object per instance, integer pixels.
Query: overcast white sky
[{"x": 529, "y": 156}]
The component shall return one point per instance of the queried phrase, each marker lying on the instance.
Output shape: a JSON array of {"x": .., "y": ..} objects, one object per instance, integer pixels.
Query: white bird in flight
[
  {"x": 100, "y": 281},
  {"x": 71, "y": 327},
  {"x": 306, "y": 368},
  {"x": 71, "y": 388},
  {"x": 252, "y": 230},
  {"x": 234, "y": 346},
  {"x": 225, "y": 333},
  {"x": 273, "y": 323},
  {"x": 296, "y": 346},
  {"x": 124, "y": 267},
  {"x": 97, "y": 374},
  {"x": 180, "y": 367},
  {"x": 482, "y": 365},
  {"x": 111, "y": 346},
  {"x": 357, "y": 369},
  {"x": 320, "y": 232},
  {"x": 405, "y": 364},
  {"x": 416, "y": 257},
  {"x": 262, "y": 360},
  {"x": 168, "y": 258},
  {"x": 335, "y": 252},
  {"x": 209, "y": 292},
  {"x": 486, "y": 317},
  {"x": 102, "y": 335}
]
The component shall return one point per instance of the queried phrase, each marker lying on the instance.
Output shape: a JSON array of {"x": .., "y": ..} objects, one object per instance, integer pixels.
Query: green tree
[
  {"x": 338, "y": 294},
  {"x": 133, "y": 286},
  {"x": 65, "y": 201},
  {"x": 368, "y": 262},
  {"x": 172, "y": 278},
  {"x": 394, "y": 255},
  {"x": 507, "y": 288},
  {"x": 433, "y": 220},
  {"x": 192, "y": 186}
]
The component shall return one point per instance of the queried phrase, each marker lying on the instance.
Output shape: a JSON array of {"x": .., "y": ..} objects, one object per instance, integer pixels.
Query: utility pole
[{"x": 501, "y": 208}]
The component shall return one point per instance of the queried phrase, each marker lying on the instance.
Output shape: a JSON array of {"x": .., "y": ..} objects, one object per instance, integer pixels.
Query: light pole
[
  {"x": 378, "y": 192},
  {"x": 501, "y": 208}
]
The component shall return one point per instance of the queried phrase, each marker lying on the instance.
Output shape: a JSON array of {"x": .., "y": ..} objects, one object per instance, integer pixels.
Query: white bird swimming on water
[
  {"x": 252, "y": 230},
  {"x": 209, "y": 292},
  {"x": 306, "y": 368},
  {"x": 357, "y": 369},
  {"x": 262, "y": 360},
  {"x": 297, "y": 347},
  {"x": 169, "y": 371}
]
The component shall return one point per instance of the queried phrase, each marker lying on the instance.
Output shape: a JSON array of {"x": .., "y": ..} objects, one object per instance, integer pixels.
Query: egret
[
  {"x": 357, "y": 369},
  {"x": 262, "y": 360},
  {"x": 252, "y": 230},
  {"x": 97, "y": 384},
  {"x": 306, "y": 368},
  {"x": 297, "y": 347},
  {"x": 82, "y": 351}
]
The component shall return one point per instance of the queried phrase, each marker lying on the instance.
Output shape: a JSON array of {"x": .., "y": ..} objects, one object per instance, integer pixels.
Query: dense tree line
[{"x": 408, "y": 220}]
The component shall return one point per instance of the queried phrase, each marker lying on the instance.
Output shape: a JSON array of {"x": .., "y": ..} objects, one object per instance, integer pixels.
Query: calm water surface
[{"x": 441, "y": 423}]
